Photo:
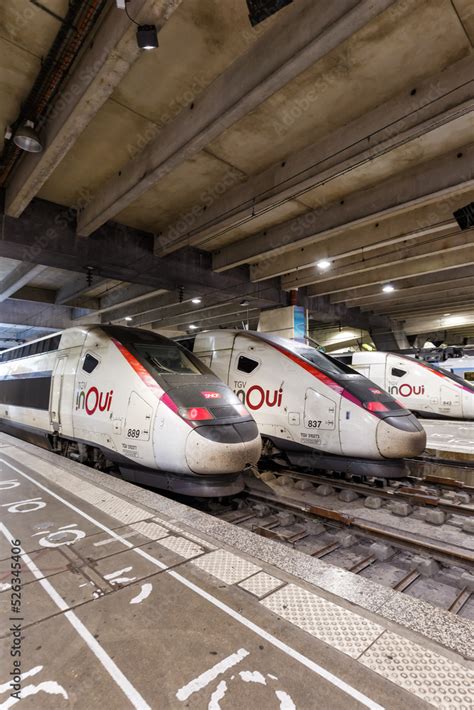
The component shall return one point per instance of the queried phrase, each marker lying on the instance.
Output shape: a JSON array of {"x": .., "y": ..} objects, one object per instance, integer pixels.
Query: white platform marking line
[
  {"x": 208, "y": 676},
  {"x": 143, "y": 594},
  {"x": 112, "y": 669},
  {"x": 319, "y": 670}
]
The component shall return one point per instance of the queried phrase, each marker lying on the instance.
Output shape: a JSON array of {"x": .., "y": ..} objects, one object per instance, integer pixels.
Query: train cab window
[
  {"x": 246, "y": 364},
  {"x": 90, "y": 363},
  {"x": 167, "y": 359},
  {"x": 397, "y": 372}
]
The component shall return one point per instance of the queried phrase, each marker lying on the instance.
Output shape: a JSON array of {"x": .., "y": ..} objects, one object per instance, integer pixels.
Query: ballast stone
[
  {"x": 468, "y": 525},
  {"x": 381, "y": 551},
  {"x": 285, "y": 519},
  {"x": 373, "y": 502},
  {"x": 347, "y": 495},
  {"x": 400, "y": 509},
  {"x": 425, "y": 566},
  {"x": 435, "y": 517},
  {"x": 303, "y": 485},
  {"x": 324, "y": 490}
]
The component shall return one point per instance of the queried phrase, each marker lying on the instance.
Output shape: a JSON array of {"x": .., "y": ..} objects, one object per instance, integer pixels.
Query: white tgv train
[
  {"x": 132, "y": 397},
  {"x": 425, "y": 388},
  {"x": 305, "y": 402}
]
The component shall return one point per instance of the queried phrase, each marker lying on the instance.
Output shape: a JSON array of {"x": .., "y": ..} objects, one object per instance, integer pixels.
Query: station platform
[
  {"x": 453, "y": 438},
  {"x": 132, "y": 600}
]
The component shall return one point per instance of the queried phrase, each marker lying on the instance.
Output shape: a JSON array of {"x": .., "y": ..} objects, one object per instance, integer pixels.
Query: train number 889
[{"x": 133, "y": 433}]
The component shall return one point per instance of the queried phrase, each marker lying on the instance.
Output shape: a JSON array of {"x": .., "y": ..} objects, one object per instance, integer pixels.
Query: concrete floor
[{"x": 120, "y": 607}]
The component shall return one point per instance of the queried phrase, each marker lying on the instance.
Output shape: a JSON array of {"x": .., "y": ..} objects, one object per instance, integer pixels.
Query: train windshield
[
  {"x": 167, "y": 359},
  {"x": 323, "y": 362},
  {"x": 159, "y": 355}
]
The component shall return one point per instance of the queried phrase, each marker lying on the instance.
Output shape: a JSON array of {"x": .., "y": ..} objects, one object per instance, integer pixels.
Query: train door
[
  {"x": 56, "y": 392},
  {"x": 450, "y": 404},
  {"x": 319, "y": 419}
]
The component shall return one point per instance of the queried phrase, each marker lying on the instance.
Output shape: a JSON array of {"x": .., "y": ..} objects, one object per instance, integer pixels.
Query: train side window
[
  {"x": 90, "y": 363},
  {"x": 396, "y": 372},
  {"x": 246, "y": 364}
]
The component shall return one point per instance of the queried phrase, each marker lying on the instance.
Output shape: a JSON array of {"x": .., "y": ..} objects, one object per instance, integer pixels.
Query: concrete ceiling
[{"x": 229, "y": 161}]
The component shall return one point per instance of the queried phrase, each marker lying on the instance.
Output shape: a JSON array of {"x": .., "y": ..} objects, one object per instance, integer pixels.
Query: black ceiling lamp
[
  {"x": 147, "y": 35},
  {"x": 465, "y": 216},
  {"x": 259, "y": 10}
]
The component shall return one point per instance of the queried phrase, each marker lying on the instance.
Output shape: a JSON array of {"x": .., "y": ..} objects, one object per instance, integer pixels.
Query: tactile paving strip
[
  {"x": 433, "y": 678},
  {"x": 150, "y": 530},
  {"x": 108, "y": 503},
  {"x": 190, "y": 536},
  {"x": 226, "y": 566},
  {"x": 261, "y": 584},
  {"x": 181, "y": 546},
  {"x": 338, "y": 627}
]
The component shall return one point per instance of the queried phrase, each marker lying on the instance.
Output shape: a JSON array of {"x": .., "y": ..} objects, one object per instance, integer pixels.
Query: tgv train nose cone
[
  {"x": 401, "y": 436},
  {"x": 224, "y": 448}
]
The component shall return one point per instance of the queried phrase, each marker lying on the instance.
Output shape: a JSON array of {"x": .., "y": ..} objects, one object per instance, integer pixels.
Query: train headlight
[
  {"x": 195, "y": 414},
  {"x": 376, "y": 407}
]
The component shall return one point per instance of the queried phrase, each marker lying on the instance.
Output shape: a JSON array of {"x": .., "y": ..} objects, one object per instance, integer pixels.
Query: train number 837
[{"x": 314, "y": 423}]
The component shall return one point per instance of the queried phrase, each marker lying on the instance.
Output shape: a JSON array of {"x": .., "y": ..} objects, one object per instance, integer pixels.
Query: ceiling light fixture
[
  {"x": 323, "y": 264},
  {"x": 27, "y": 138},
  {"x": 147, "y": 35},
  {"x": 388, "y": 288},
  {"x": 193, "y": 327},
  {"x": 128, "y": 318},
  {"x": 196, "y": 300},
  {"x": 465, "y": 216},
  {"x": 259, "y": 10},
  {"x": 446, "y": 314},
  {"x": 244, "y": 303}
]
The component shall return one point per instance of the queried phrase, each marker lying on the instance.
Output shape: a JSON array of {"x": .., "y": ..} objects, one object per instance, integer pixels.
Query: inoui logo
[
  {"x": 256, "y": 397},
  {"x": 407, "y": 390},
  {"x": 93, "y": 400}
]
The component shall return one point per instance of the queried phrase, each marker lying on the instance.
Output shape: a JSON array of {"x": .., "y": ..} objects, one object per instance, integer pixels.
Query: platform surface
[
  {"x": 450, "y": 436},
  {"x": 130, "y": 600}
]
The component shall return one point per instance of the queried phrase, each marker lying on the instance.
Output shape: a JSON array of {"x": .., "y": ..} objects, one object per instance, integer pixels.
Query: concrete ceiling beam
[
  {"x": 431, "y": 182},
  {"x": 104, "y": 63},
  {"x": 45, "y": 235},
  {"x": 308, "y": 31},
  {"x": 354, "y": 296},
  {"x": 360, "y": 242},
  {"x": 438, "y": 100},
  {"x": 403, "y": 300},
  {"x": 169, "y": 304},
  {"x": 35, "y": 315},
  {"x": 125, "y": 296},
  {"x": 392, "y": 255},
  {"x": 20, "y": 276},
  {"x": 226, "y": 321},
  {"x": 205, "y": 314},
  {"x": 449, "y": 304},
  {"x": 416, "y": 292},
  {"x": 76, "y": 288},
  {"x": 460, "y": 256},
  {"x": 32, "y": 293}
]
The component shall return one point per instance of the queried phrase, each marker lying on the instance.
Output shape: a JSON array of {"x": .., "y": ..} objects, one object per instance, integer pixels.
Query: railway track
[
  {"x": 434, "y": 492},
  {"x": 404, "y": 552}
]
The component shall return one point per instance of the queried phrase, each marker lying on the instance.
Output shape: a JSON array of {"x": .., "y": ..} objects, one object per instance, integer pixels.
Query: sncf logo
[
  {"x": 407, "y": 390},
  {"x": 256, "y": 397},
  {"x": 211, "y": 395},
  {"x": 93, "y": 400}
]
